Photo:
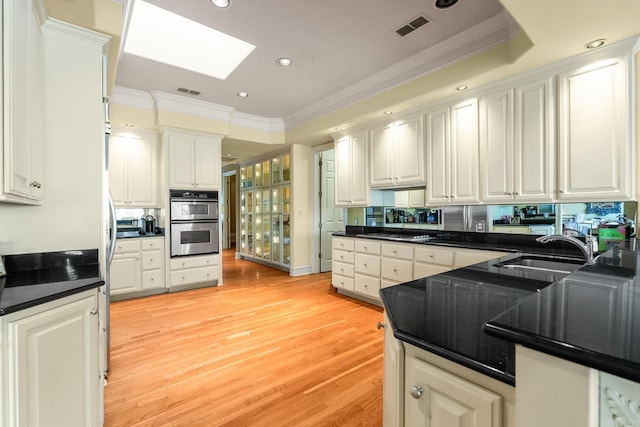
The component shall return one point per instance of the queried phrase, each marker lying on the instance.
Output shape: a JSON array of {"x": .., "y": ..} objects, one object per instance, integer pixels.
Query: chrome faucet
[{"x": 586, "y": 248}]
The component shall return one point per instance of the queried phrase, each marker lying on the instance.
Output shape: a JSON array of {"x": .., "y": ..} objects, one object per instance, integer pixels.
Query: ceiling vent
[
  {"x": 189, "y": 91},
  {"x": 412, "y": 26}
]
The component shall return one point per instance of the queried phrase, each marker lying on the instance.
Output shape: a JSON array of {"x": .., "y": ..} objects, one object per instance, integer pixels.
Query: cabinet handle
[
  {"x": 432, "y": 257},
  {"x": 94, "y": 311},
  {"x": 416, "y": 391},
  {"x": 516, "y": 193},
  {"x": 379, "y": 325},
  {"x": 35, "y": 184},
  {"x": 395, "y": 252},
  {"x": 561, "y": 191},
  {"x": 395, "y": 270},
  {"x": 150, "y": 259}
]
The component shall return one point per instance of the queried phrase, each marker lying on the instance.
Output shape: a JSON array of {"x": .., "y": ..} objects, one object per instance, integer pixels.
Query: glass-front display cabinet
[{"x": 265, "y": 209}]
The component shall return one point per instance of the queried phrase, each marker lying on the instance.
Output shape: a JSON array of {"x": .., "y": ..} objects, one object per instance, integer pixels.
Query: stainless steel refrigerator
[{"x": 465, "y": 218}]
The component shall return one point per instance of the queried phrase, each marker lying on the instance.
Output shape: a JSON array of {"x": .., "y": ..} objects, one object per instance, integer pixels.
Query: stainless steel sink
[{"x": 541, "y": 263}]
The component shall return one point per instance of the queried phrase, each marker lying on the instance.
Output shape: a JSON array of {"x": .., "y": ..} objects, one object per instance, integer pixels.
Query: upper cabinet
[
  {"x": 194, "y": 160},
  {"x": 453, "y": 154},
  {"x": 23, "y": 122},
  {"x": 352, "y": 189},
  {"x": 397, "y": 154},
  {"x": 133, "y": 169},
  {"x": 517, "y": 143},
  {"x": 596, "y": 155}
]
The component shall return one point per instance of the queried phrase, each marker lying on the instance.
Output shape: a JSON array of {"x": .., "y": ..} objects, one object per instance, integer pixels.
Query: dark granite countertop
[
  {"x": 445, "y": 314},
  {"x": 591, "y": 317},
  {"x": 33, "y": 279},
  {"x": 130, "y": 234}
]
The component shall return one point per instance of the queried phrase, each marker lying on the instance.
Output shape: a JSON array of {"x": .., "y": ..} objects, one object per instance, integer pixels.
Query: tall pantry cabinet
[{"x": 265, "y": 209}]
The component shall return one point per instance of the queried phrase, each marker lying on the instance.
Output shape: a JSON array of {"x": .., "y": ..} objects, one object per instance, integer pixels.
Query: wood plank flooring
[{"x": 264, "y": 349}]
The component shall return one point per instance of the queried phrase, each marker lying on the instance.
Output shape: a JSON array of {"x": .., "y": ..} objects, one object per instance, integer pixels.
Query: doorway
[
  {"x": 330, "y": 218},
  {"x": 229, "y": 213}
]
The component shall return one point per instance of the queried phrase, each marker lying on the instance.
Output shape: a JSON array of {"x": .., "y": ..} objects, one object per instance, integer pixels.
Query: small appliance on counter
[{"x": 147, "y": 225}]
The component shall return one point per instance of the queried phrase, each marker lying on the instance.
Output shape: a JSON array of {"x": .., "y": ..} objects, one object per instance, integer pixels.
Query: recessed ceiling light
[
  {"x": 228, "y": 154},
  {"x": 285, "y": 62},
  {"x": 462, "y": 87},
  {"x": 221, "y": 3},
  {"x": 388, "y": 113},
  {"x": 243, "y": 94},
  {"x": 594, "y": 44},
  {"x": 189, "y": 45}
]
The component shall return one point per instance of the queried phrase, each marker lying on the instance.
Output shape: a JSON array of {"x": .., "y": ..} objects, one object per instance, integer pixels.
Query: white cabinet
[
  {"x": 351, "y": 185},
  {"x": 194, "y": 160},
  {"x": 342, "y": 270},
  {"x": 465, "y": 257},
  {"x": 396, "y": 263},
  {"x": 409, "y": 198},
  {"x": 138, "y": 266},
  {"x": 517, "y": 144},
  {"x": 596, "y": 155},
  {"x": 453, "y": 154},
  {"x": 22, "y": 90},
  {"x": 436, "y": 398},
  {"x": 133, "y": 170},
  {"x": 431, "y": 260},
  {"x": 194, "y": 271},
  {"x": 367, "y": 268},
  {"x": 50, "y": 369},
  {"x": 397, "y": 154},
  {"x": 393, "y": 378}
]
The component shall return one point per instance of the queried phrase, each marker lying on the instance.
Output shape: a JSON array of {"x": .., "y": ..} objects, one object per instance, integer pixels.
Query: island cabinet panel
[
  {"x": 393, "y": 379},
  {"x": 436, "y": 398},
  {"x": 596, "y": 155}
]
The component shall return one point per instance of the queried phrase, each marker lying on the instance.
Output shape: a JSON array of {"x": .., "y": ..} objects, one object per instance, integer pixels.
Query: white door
[{"x": 331, "y": 217}]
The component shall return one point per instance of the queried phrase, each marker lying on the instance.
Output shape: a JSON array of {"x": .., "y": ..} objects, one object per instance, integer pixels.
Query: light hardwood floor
[{"x": 264, "y": 349}]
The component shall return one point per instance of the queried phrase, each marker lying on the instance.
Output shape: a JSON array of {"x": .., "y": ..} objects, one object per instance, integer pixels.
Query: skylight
[{"x": 163, "y": 36}]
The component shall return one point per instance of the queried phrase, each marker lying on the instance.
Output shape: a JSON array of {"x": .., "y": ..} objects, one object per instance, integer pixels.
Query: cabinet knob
[
  {"x": 395, "y": 252},
  {"x": 416, "y": 391},
  {"x": 516, "y": 193},
  {"x": 94, "y": 311},
  {"x": 35, "y": 184},
  {"x": 150, "y": 259},
  {"x": 379, "y": 325},
  {"x": 395, "y": 270}
]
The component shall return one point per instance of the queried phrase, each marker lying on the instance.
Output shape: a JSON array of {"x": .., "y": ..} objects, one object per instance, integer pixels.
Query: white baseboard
[{"x": 300, "y": 271}]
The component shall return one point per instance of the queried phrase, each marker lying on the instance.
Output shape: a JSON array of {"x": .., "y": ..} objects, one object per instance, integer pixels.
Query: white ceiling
[{"x": 335, "y": 46}]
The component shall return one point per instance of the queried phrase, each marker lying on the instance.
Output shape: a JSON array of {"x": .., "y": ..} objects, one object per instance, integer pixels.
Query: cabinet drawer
[
  {"x": 367, "y": 285},
  {"x": 196, "y": 275},
  {"x": 128, "y": 245},
  {"x": 342, "y": 243},
  {"x": 465, "y": 257},
  {"x": 152, "y": 260},
  {"x": 367, "y": 246},
  {"x": 342, "y": 269},
  {"x": 343, "y": 256},
  {"x": 152, "y": 279},
  {"x": 422, "y": 269},
  {"x": 398, "y": 270},
  {"x": 397, "y": 251},
  {"x": 434, "y": 256},
  {"x": 342, "y": 282},
  {"x": 367, "y": 264},
  {"x": 192, "y": 262},
  {"x": 152, "y": 244}
]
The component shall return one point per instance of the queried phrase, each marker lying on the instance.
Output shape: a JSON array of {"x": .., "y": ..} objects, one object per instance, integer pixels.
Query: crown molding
[
  {"x": 257, "y": 122},
  {"x": 489, "y": 33},
  {"x": 132, "y": 98},
  {"x": 180, "y": 104},
  {"x": 76, "y": 31}
]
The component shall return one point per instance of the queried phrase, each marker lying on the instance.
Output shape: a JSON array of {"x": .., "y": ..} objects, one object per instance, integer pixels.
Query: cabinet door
[
  {"x": 343, "y": 171},
  {"x": 496, "y": 146},
  {"x": 141, "y": 176},
  {"x": 438, "y": 187},
  {"x": 464, "y": 153},
  {"x": 359, "y": 183},
  {"x": 408, "y": 152},
  {"x": 436, "y": 398},
  {"x": 125, "y": 273},
  {"x": 54, "y": 366},
  {"x": 381, "y": 157},
  {"x": 595, "y": 146},
  {"x": 117, "y": 170},
  {"x": 181, "y": 162},
  {"x": 534, "y": 156},
  {"x": 207, "y": 164}
]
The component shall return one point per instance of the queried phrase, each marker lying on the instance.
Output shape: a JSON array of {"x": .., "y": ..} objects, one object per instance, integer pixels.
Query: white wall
[
  {"x": 302, "y": 196},
  {"x": 71, "y": 215}
]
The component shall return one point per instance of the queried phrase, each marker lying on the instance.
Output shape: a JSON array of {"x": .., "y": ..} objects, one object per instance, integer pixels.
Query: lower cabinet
[
  {"x": 194, "y": 270},
  {"x": 441, "y": 393},
  {"x": 342, "y": 273},
  {"x": 137, "y": 267},
  {"x": 393, "y": 378},
  {"x": 50, "y": 364}
]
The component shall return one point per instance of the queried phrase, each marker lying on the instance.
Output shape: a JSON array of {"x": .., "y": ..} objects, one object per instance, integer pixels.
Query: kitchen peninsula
[{"x": 473, "y": 341}]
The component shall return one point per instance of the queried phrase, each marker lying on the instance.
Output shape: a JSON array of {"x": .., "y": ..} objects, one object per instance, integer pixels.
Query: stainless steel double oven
[{"x": 195, "y": 229}]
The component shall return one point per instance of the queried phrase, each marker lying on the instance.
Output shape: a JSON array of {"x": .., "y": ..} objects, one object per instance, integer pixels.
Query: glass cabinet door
[
  {"x": 286, "y": 167},
  {"x": 266, "y": 173},
  {"x": 276, "y": 170},
  {"x": 266, "y": 224},
  {"x": 286, "y": 224},
  {"x": 258, "y": 174},
  {"x": 276, "y": 225},
  {"x": 246, "y": 177}
]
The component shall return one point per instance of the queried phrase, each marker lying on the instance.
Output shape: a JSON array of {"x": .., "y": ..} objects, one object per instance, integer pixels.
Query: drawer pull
[
  {"x": 94, "y": 311},
  {"x": 379, "y": 325}
]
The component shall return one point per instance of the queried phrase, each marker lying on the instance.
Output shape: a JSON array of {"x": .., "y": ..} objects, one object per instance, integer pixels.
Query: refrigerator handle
[{"x": 112, "y": 227}]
